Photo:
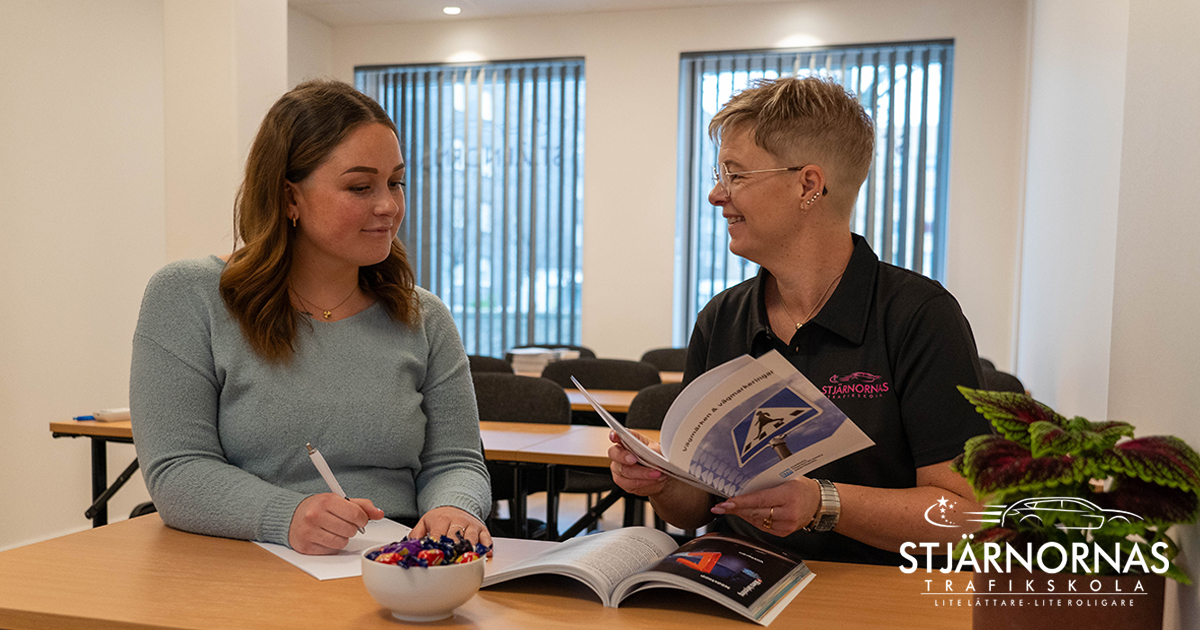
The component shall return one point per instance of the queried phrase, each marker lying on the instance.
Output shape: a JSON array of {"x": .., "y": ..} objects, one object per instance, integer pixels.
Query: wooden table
[
  {"x": 141, "y": 574},
  {"x": 550, "y": 445}
]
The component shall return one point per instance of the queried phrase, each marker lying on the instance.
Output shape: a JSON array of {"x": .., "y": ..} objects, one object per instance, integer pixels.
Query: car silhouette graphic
[
  {"x": 1036, "y": 511},
  {"x": 865, "y": 377}
]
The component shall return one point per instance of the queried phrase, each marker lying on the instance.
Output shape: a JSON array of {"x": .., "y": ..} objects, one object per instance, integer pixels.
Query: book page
[
  {"x": 744, "y": 575},
  {"x": 691, "y": 395},
  {"x": 600, "y": 560},
  {"x": 646, "y": 455}
]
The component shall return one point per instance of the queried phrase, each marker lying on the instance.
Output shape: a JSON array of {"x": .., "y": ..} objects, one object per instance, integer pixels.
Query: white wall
[
  {"x": 632, "y": 91},
  {"x": 124, "y": 126},
  {"x": 225, "y": 63},
  {"x": 1156, "y": 295},
  {"x": 81, "y": 231},
  {"x": 1076, "y": 103},
  {"x": 310, "y": 48}
]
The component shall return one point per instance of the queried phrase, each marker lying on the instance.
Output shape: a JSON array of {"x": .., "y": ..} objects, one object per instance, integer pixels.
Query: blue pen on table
[{"x": 322, "y": 467}]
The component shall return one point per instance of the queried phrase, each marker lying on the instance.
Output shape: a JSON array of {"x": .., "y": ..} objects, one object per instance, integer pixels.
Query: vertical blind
[
  {"x": 495, "y": 193},
  {"x": 901, "y": 208}
]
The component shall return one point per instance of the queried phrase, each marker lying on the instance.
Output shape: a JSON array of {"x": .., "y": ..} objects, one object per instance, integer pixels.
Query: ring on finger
[{"x": 770, "y": 518}]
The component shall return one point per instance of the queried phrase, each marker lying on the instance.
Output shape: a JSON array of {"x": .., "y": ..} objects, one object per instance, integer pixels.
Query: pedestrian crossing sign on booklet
[{"x": 746, "y": 425}]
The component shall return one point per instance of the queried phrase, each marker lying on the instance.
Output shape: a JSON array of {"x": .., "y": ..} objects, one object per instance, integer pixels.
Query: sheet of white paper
[{"x": 346, "y": 562}]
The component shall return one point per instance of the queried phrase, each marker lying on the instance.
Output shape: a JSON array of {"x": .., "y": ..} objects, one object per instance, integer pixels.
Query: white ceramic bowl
[{"x": 421, "y": 594}]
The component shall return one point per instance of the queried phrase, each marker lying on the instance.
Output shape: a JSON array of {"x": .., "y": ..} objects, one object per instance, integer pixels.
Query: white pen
[{"x": 327, "y": 475}]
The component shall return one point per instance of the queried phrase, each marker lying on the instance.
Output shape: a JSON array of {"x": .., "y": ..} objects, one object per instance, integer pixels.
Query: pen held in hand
[{"x": 322, "y": 467}]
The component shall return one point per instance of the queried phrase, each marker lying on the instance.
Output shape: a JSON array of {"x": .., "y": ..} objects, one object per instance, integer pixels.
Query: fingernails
[
  {"x": 726, "y": 505},
  {"x": 630, "y": 459},
  {"x": 654, "y": 474},
  {"x": 716, "y": 509}
]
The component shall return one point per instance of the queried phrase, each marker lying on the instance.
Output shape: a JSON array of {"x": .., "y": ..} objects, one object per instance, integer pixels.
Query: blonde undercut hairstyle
[
  {"x": 808, "y": 121},
  {"x": 297, "y": 135}
]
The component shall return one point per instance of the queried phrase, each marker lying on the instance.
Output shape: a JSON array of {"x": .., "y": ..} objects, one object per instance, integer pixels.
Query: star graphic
[{"x": 942, "y": 501}]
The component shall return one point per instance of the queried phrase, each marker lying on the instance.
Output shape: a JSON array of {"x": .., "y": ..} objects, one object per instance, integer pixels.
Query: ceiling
[{"x": 358, "y": 12}]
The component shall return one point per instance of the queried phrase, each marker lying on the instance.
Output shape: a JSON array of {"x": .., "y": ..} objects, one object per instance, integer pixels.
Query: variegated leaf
[
  {"x": 1077, "y": 436},
  {"x": 1163, "y": 460},
  {"x": 1157, "y": 505},
  {"x": 1010, "y": 413},
  {"x": 994, "y": 464}
]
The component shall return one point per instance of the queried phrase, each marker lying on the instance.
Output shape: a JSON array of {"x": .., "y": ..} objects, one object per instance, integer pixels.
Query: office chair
[
  {"x": 666, "y": 359},
  {"x": 481, "y": 364},
  {"x": 510, "y": 398},
  {"x": 647, "y": 411}
]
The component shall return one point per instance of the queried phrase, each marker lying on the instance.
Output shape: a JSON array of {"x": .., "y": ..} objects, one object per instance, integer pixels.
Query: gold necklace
[
  {"x": 326, "y": 313},
  {"x": 814, "y": 309}
]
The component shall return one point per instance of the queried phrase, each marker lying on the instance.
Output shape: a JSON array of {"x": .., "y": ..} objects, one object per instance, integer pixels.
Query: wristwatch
[{"x": 829, "y": 510}]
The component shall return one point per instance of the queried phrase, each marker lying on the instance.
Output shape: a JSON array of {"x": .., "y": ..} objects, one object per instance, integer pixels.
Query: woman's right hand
[
  {"x": 324, "y": 523},
  {"x": 631, "y": 476}
]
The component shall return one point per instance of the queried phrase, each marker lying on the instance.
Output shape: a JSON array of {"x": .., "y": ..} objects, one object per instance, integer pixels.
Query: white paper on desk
[{"x": 345, "y": 563}]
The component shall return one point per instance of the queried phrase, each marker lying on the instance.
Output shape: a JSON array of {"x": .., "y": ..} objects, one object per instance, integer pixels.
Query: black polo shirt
[{"x": 888, "y": 348}]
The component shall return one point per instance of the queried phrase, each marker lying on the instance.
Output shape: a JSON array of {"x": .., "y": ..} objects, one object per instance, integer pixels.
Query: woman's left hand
[
  {"x": 449, "y": 521},
  {"x": 778, "y": 511}
]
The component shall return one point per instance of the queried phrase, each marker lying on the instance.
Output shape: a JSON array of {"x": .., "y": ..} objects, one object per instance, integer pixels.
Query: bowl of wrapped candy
[{"x": 426, "y": 579}]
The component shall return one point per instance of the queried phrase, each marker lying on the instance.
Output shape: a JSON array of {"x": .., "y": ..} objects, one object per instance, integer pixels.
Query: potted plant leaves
[{"x": 1069, "y": 504}]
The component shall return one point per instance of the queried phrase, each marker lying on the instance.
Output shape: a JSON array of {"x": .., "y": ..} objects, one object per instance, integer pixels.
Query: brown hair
[
  {"x": 811, "y": 120},
  {"x": 299, "y": 132}
]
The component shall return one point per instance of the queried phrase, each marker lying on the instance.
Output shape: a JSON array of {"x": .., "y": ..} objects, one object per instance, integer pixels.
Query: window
[
  {"x": 495, "y": 193},
  {"x": 901, "y": 207}
]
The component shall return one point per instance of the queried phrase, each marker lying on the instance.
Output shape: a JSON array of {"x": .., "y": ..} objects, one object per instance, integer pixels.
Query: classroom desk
[
  {"x": 141, "y": 574},
  {"x": 666, "y": 377},
  {"x": 517, "y": 442}
]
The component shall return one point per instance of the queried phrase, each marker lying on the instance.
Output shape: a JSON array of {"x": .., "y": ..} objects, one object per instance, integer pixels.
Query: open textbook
[
  {"x": 746, "y": 425},
  {"x": 745, "y": 576}
]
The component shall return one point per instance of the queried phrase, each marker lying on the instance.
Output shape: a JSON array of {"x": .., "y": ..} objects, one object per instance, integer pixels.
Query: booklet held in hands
[{"x": 745, "y": 425}]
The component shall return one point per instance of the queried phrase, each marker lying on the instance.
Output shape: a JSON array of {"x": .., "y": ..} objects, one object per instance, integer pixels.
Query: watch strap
[{"x": 829, "y": 510}]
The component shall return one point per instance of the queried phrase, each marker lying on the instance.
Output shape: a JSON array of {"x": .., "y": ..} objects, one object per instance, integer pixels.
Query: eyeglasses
[{"x": 721, "y": 174}]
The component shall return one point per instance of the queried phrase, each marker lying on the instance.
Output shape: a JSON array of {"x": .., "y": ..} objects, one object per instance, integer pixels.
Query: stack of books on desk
[{"x": 534, "y": 360}]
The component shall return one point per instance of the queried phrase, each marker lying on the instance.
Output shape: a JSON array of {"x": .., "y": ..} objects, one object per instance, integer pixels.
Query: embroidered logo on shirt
[{"x": 856, "y": 385}]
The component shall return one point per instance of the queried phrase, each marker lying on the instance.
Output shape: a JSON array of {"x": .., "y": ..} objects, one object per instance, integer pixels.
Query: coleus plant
[{"x": 1035, "y": 452}]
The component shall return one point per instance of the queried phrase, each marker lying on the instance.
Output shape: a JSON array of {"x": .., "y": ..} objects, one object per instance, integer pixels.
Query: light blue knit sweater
[{"x": 220, "y": 434}]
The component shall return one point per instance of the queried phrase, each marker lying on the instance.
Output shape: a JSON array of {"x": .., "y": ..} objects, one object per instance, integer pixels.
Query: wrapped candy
[
  {"x": 433, "y": 557},
  {"x": 428, "y": 552},
  {"x": 388, "y": 558}
]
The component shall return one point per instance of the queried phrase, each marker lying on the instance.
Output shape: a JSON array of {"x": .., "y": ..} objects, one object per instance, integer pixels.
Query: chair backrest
[
  {"x": 481, "y": 364},
  {"x": 667, "y": 359},
  {"x": 986, "y": 364},
  {"x": 996, "y": 380},
  {"x": 511, "y": 398},
  {"x": 584, "y": 352},
  {"x": 603, "y": 373},
  {"x": 650, "y": 406}
]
